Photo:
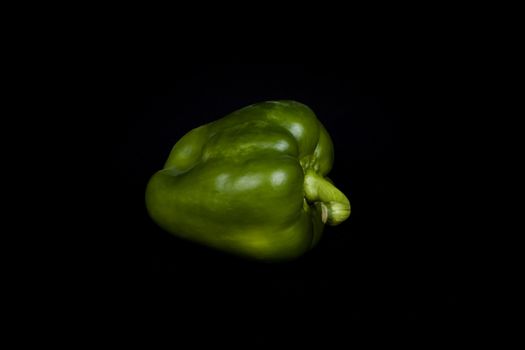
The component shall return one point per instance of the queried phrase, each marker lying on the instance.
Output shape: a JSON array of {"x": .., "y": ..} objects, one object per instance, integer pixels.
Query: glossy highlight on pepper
[{"x": 252, "y": 183}]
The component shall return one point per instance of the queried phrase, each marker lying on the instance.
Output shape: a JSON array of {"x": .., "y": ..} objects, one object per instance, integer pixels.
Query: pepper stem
[{"x": 335, "y": 206}]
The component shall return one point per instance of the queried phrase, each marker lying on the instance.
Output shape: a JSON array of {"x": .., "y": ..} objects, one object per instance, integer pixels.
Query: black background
[{"x": 396, "y": 260}]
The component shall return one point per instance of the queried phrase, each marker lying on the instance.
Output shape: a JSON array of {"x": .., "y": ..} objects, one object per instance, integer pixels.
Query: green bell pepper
[{"x": 252, "y": 183}]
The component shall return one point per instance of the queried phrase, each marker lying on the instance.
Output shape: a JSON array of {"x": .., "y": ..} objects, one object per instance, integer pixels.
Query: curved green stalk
[{"x": 335, "y": 206}]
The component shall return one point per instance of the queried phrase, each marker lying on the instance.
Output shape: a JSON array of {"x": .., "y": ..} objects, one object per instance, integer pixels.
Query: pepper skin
[{"x": 252, "y": 183}]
